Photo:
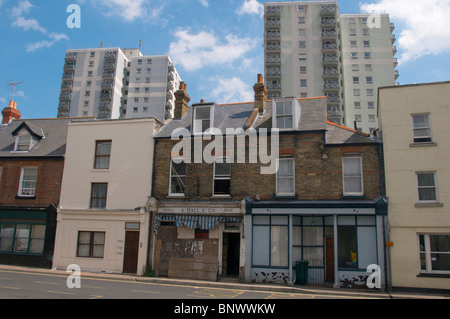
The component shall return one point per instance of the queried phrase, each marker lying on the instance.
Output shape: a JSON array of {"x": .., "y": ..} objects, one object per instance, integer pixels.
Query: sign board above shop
[
  {"x": 200, "y": 210},
  {"x": 314, "y": 211}
]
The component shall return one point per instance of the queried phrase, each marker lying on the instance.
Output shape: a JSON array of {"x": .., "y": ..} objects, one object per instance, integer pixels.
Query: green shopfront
[{"x": 27, "y": 236}]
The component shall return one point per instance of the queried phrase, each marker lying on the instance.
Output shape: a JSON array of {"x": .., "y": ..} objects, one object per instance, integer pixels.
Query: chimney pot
[
  {"x": 10, "y": 113},
  {"x": 202, "y": 101},
  {"x": 260, "y": 78}
]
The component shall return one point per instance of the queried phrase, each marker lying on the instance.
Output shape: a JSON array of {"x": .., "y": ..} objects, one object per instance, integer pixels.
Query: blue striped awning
[{"x": 195, "y": 221}]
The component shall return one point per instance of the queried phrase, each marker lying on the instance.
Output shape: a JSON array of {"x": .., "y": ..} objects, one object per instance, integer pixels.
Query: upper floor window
[
  {"x": 23, "y": 141},
  {"x": 284, "y": 116},
  {"x": 28, "y": 178},
  {"x": 202, "y": 119},
  {"x": 99, "y": 192},
  {"x": 421, "y": 128},
  {"x": 426, "y": 185},
  {"x": 352, "y": 175},
  {"x": 222, "y": 175},
  {"x": 285, "y": 177},
  {"x": 177, "y": 182},
  {"x": 102, "y": 154}
]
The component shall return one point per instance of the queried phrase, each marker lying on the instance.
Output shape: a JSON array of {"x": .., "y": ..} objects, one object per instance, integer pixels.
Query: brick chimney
[
  {"x": 181, "y": 101},
  {"x": 10, "y": 113},
  {"x": 260, "y": 94}
]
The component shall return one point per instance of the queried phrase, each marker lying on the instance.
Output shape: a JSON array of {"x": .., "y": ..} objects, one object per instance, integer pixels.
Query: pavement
[{"x": 235, "y": 284}]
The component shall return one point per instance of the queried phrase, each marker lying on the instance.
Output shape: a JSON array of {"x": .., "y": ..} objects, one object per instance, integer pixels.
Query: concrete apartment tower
[
  {"x": 112, "y": 83},
  {"x": 309, "y": 50}
]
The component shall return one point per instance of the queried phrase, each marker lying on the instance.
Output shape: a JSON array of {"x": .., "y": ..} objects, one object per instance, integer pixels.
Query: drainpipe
[
  {"x": 290, "y": 283},
  {"x": 336, "y": 274}
]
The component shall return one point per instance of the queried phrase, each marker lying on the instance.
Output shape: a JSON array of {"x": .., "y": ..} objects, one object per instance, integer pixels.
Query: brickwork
[
  {"x": 48, "y": 184},
  {"x": 318, "y": 171}
]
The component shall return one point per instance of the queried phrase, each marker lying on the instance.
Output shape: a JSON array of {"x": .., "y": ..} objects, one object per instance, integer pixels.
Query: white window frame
[
  {"x": 198, "y": 123},
  {"x": 22, "y": 134},
  {"x": 427, "y": 252},
  {"x": 224, "y": 160},
  {"x": 429, "y": 128},
  {"x": 292, "y": 160},
  {"x": 346, "y": 156},
  {"x": 284, "y": 115},
  {"x": 170, "y": 179},
  {"x": 436, "y": 200},
  {"x": 21, "y": 188}
]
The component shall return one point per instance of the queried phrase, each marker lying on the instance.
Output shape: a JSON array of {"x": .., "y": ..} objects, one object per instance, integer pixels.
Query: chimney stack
[
  {"x": 260, "y": 94},
  {"x": 181, "y": 101},
  {"x": 10, "y": 113}
]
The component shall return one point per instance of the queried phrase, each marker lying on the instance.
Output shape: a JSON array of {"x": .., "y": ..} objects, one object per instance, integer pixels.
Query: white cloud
[
  {"x": 231, "y": 90},
  {"x": 55, "y": 37},
  {"x": 127, "y": 9},
  {"x": 204, "y": 3},
  {"x": 194, "y": 51},
  {"x": 251, "y": 7},
  {"x": 425, "y": 29},
  {"x": 18, "y": 14}
]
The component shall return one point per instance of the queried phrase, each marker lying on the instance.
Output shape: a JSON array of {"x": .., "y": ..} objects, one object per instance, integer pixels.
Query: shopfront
[
  {"x": 197, "y": 240},
  {"x": 337, "y": 241}
]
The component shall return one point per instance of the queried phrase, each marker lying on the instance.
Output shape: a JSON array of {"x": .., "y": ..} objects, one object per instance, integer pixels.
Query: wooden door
[
  {"x": 130, "y": 256},
  {"x": 329, "y": 259}
]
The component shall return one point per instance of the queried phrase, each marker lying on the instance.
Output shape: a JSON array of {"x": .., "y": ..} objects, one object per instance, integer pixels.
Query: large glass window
[
  {"x": 357, "y": 247},
  {"x": 434, "y": 253},
  {"x": 270, "y": 241},
  {"x": 22, "y": 238}
]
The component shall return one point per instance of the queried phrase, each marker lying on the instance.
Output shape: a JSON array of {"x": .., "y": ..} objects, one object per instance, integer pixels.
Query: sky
[{"x": 216, "y": 45}]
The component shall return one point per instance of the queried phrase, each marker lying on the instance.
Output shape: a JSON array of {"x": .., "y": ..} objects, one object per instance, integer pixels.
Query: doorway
[
  {"x": 329, "y": 259},
  {"x": 131, "y": 251},
  {"x": 230, "y": 254}
]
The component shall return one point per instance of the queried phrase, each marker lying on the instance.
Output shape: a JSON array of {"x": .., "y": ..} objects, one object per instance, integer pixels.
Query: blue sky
[{"x": 216, "y": 45}]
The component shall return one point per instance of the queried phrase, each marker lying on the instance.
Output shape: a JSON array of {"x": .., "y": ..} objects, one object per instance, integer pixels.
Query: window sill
[
  {"x": 416, "y": 144},
  {"x": 220, "y": 196},
  {"x": 176, "y": 196},
  {"x": 25, "y": 197},
  {"x": 429, "y": 204},
  {"x": 430, "y": 275},
  {"x": 284, "y": 197},
  {"x": 353, "y": 197}
]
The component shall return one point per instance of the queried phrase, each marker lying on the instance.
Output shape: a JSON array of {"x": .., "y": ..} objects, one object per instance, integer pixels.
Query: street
[{"x": 15, "y": 284}]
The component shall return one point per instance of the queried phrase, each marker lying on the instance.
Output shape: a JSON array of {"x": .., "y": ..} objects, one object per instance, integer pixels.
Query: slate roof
[
  {"x": 235, "y": 115},
  {"x": 52, "y": 133}
]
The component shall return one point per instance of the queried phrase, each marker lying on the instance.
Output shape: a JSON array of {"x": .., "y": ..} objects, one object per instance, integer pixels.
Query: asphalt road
[{"x": 18, "y": 284}]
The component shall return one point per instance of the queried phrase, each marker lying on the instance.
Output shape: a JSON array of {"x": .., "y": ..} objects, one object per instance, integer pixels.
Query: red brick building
[{"x": 31, "y": 166}]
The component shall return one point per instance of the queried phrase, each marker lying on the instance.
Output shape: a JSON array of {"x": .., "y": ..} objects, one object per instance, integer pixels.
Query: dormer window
[
  {"x": 202, "y": 118},
  {"x": 27, "y": 136},
  {"x": 286, "y": 114},
  {"x": 23, "y": 141}
]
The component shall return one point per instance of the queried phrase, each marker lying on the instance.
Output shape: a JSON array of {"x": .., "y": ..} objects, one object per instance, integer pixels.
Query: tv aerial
[{"x": 14, "y": 85}]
